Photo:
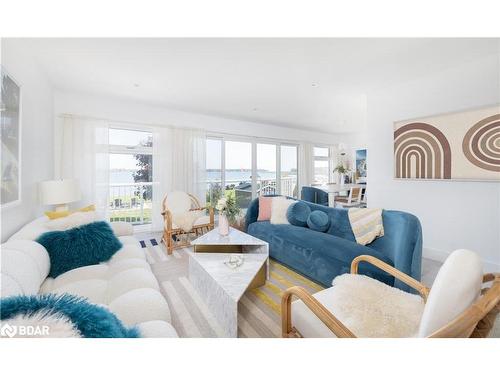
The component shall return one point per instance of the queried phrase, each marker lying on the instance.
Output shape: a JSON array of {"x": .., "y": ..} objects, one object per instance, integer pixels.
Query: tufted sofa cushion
[
  {"x": 35, "y": 267},
  {"x": 125, "y": 284}
]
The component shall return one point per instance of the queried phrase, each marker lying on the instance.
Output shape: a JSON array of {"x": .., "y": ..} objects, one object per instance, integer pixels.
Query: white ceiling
[{"x": 316, "y": 84}]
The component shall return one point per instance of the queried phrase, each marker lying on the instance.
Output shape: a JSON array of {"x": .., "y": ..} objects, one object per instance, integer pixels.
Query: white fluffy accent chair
[
  {"x": 184, "y": 217},
  {"x": 358, "y": 306}
]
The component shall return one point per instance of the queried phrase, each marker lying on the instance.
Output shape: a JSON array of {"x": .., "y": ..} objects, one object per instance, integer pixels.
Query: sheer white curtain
[
  {"x": 188, "y": 162},
  {"x": 85, "y": 157},
  {"x": 306, "y": 165},
  {"x": 162, "y": 172}
]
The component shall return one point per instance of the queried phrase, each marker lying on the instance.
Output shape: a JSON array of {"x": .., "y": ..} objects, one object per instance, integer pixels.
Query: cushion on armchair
[
  {"x": 457, "y": 285},
  {"x": 367, "y": 307}
]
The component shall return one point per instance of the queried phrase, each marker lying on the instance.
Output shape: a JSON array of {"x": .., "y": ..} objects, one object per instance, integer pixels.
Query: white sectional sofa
[{"x": 125, "y": 284}]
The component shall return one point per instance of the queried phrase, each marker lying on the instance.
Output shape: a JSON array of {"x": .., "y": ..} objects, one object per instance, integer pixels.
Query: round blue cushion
[
  {"x": 318, "y": 221},
  {"x": 298, "y": 213}
]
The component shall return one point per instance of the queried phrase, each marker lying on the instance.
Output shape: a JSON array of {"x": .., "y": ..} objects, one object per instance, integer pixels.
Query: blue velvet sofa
[{"x": 323, "y": 256}]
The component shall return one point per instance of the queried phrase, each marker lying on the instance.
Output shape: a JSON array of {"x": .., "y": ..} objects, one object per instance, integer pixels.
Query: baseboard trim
[{"x": 441, "y": 255}]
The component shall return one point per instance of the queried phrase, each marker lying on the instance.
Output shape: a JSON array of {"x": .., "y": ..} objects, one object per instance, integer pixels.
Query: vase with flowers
[
  {"x": 341, "y": 171},
  {"x": 228, "y": 213}
]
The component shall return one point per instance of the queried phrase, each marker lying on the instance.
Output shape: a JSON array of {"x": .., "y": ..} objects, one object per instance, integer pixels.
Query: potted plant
[
  {"x": 228, "y": 213},
  {"x": 341, "y": 171}
]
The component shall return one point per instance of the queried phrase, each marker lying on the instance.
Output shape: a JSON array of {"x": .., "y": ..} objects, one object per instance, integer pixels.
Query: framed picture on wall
[
  {"x": 361, "y": 166},
  {"x": 10, "y": 120},
  {"x": 455, "y": 146}
]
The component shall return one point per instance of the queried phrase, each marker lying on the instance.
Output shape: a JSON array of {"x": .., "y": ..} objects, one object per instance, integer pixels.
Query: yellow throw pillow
[
  {"x": 52, "y": 215},
  {"x": 87, "y": 209}
]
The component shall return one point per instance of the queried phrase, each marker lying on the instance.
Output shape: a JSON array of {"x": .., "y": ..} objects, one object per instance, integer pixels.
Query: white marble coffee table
[{"x": 220, "y": 286}]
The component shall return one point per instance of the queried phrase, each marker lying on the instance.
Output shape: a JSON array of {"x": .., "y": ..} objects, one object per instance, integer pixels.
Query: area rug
[{"x": 259, "y": 309}]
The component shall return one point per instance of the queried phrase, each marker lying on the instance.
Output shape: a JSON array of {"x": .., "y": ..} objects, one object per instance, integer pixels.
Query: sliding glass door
[
  {"x": 321, "y": 165},
  {"x": 214, "y": 170},
  {"x": 238, "y": 171},
  {"x": 288, "y": 171},
  {"x": 266, "y": 169},
  {"x": 244, "y": 169}
]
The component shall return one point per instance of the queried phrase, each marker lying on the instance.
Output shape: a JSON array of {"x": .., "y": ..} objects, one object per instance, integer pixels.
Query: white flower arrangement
[
  {"x": 221, "y": 204},
  {"x": 228, "y": 206}
]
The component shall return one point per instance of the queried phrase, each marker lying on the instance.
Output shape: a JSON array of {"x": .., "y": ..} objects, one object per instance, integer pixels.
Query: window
[
  {"x": 245, "y": 169},
  {"x": 288, "y": 172},
  {"x": 266, "y": 169},
  {"x": 321, "y": 152},
  {"x": 214, "y": 169},
  {"x": 238, "y": 171},
  {"x": 321, "y": 165},
  {"x": 130, "y": 138},
  {"x": 130, "y": 176}
]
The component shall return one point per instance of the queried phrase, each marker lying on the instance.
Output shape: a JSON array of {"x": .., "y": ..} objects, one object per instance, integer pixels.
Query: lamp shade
[{"x": 59, "y": 191}]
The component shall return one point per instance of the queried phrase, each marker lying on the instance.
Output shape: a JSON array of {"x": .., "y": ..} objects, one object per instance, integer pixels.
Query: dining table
[{"x": 333, "y": 190}]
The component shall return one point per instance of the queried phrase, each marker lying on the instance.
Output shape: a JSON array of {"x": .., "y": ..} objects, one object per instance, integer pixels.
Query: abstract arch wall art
[
  {"x": 457, "y": 146},
  {"x": 481, "y": 144}
]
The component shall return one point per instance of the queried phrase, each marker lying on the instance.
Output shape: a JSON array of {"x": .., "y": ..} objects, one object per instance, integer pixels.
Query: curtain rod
[{"x": 210, "y": 133}]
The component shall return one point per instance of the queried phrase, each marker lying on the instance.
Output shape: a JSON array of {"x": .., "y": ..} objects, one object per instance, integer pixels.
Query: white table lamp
[{"x": 60, "y": 193}]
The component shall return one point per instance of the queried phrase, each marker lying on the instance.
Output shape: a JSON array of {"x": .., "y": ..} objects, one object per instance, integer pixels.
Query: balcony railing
[
  {"x": 131, "y": 202},
  {"x": 242, "y": 189}
]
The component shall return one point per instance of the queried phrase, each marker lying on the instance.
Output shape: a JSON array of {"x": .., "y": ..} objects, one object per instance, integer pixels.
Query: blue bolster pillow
[
  {"x": 318, "y": 221},
  {"x": 298, "y": 213}
]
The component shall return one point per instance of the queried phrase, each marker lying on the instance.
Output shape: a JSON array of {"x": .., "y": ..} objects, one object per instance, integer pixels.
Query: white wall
[
  {"x": 453, "y": 214},
  {"x": 117, "y": 109},
  {"x": 37, "y": 135}
]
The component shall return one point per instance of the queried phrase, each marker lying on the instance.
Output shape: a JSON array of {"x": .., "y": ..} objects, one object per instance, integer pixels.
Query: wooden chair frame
[
  {"x": 476, "y": 321},
  {"x": 353, "y": 199},
  {"x": 169, "y": 232}
]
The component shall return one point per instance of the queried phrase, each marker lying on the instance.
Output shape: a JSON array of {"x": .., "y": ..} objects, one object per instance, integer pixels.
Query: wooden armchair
[
  {"x": 178, "y": 202},
  {"x": 476, "y": 320}
]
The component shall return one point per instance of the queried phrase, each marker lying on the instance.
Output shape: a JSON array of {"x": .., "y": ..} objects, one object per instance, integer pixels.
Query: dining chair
[
  {"x": 352, "y": 200},
  {"x": 314, "y": 195}
]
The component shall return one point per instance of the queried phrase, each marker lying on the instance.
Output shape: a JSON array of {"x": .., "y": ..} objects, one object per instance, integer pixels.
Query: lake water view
[{"x": 120, "y": 176}]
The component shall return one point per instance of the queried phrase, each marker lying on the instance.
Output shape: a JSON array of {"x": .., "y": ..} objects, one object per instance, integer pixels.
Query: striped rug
[{"x": 259, "y": 309}]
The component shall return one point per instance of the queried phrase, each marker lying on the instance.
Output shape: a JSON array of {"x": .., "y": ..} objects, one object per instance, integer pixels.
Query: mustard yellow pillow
[{"x": 52, "y": 215}]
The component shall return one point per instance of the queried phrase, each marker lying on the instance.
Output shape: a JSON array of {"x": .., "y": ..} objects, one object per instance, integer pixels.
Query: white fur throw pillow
[
  {"x": 74, "y": 220},
  {"x": 278, "y": 210}
]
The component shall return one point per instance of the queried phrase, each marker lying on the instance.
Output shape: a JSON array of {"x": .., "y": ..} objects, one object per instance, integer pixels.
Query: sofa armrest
[
  {"x": 402, "y": 243},
  {"x": 121, "y": 228},
  {"x": 252, "y": 213}
]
